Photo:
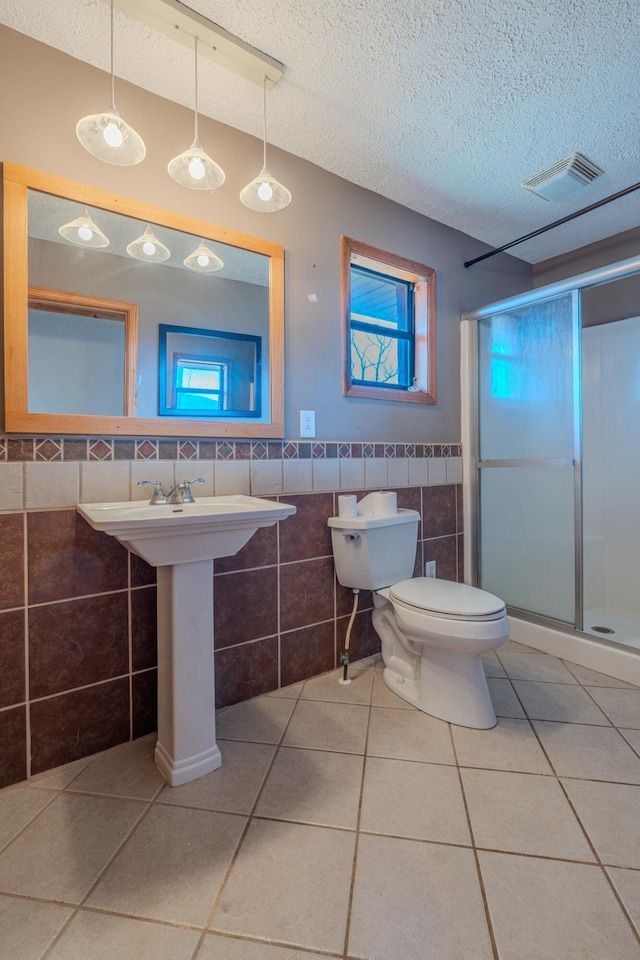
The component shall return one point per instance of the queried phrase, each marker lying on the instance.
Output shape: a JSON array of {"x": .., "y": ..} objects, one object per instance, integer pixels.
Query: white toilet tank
[{"x": 374, "y": 552}]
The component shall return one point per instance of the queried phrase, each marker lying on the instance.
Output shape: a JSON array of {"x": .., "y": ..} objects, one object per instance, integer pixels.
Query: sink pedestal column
[{"x": 186, "y": 747}]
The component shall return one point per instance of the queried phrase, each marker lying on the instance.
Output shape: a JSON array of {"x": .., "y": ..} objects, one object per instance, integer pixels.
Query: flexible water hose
[{"x": 344, "y": 656}]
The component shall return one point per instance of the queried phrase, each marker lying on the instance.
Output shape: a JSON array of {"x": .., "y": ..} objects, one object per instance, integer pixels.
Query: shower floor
[{"x": 625, "y": 626}]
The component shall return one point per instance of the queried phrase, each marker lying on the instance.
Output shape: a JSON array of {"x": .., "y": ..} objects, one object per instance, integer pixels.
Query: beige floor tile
[
  {"x": 633, "y": 738},
  {"x": 558, "y": 701},
  {"x": 94, "y": 936},
  {"x": 622, "y": 707},
  {"x": 58, "y": 778},
  {"x": 492, "y": 666},
  {"x": 505, "y": 702},
  {"x": 125, "y": 771},
  {"x": 63, "y": 851},
  {"x": 217, "y": 947},
  {"x": 416, "y": 901},
  {"x": 511, "y": 646},
  {"x": 627, "y": 883},
  {"x": 234, "y": 786},
  {"x": 290, "y": 883},
  {"x": 292, "y": 692},
  {"x": 19, "y": 805},
  {"x": 409, "y": 735},
  {"x": 311, "y": 786},
  {"x": 534, "y": 666},
  {"x": 610, "y": 813},
  {"x": 321, "y": 725},
  {"x": 594, "y": 679},
  {"x": 596, "y": 753},
  {"x": 328, "y": 687},
  {"x": 422, "y": 801},
  {"x": 172, "y": 867},
  {"x": 382, "y": 696},
  {"x": 262, "y": 720},
  {"x": 523, "y": 813},
  {"x": 27, "y": 927},
  {"x": 552, "y": 910},
  {"x": 511, "y": 745}
]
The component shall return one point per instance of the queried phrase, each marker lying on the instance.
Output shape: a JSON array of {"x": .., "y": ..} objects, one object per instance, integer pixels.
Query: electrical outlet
[
  {"x": 307, "y": 423},
  {"x": 430, "y": 568}
]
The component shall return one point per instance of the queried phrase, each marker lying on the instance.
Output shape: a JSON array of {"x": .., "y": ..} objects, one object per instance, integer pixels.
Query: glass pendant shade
[
  {"x": 84, "y": 232},
  {"x": 194, "y": 168},
  {"x": 265, "y": 194},
  {"x": 106, "y": 135},
  {"x": 203, "y": 260},
  {"x": 148, "y": 248}
]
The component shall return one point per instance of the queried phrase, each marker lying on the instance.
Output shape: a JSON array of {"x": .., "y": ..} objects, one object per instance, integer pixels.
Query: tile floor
[{"x": 344, "y": 823}]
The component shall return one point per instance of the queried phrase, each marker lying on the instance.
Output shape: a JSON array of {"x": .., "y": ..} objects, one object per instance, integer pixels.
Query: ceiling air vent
[{"x": 563, "y": 178}]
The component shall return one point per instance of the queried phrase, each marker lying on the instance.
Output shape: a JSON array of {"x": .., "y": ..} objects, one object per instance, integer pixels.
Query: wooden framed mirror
[{"x": 196, "y": 275}]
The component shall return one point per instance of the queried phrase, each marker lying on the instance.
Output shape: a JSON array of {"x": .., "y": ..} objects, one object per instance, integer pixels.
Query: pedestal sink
[{"x": 182, "y": 541}]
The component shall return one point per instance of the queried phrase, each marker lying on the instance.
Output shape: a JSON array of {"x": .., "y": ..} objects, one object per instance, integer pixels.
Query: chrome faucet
[
  {"x": 158, "y": 493},
  {"x": 181, "y": 492}
]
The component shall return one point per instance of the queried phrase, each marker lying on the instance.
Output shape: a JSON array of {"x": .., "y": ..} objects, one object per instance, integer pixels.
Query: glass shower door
[{"x": 528, "y": 476}]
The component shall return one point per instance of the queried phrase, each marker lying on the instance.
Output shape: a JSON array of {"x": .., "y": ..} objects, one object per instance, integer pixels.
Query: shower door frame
[{"x": 471, "y": 424}]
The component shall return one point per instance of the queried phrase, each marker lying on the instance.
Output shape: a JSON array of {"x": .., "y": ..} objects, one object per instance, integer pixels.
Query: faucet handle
[
  {"x": 158, "y": 493},
  {"x": 187, "y": 496}
]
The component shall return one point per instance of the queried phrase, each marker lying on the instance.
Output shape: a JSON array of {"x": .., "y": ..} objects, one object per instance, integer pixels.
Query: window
[
  {"x": 389, "y": 325},
  {"x": 199, "y": 384}
]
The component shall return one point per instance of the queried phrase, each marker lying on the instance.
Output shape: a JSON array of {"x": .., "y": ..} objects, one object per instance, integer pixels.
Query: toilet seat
[{"x": 445, "y": 599}]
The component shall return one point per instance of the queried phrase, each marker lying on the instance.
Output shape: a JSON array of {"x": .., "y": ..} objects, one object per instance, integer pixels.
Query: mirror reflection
[{"x": 93, "y": 263}]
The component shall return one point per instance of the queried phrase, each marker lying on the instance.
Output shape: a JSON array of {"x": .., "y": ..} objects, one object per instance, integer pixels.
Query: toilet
[{"x": 432, "y": 631}]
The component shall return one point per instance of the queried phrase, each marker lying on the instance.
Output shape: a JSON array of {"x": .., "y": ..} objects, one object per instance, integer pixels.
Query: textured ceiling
[{"x": 442, "y": 105}]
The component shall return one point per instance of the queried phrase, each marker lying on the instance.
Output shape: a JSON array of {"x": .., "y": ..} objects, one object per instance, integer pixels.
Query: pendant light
[
  {"x": 194, "y": 168},
  {"x": 148, "y": 248},
  {"x": 84, "y": 232},
  {"x": 265, "y": 194},
  {"x": 203, "y": 260},
  {"x": 106, "y": 135}
]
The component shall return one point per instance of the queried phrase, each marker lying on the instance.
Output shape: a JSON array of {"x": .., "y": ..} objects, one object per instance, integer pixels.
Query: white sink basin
[
  {"x": 183, "y": 540},
  {"x": 165, "y": 534}
]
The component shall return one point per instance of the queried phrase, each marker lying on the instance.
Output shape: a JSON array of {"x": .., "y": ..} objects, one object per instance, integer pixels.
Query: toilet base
[{"x": 451, "y": 687}]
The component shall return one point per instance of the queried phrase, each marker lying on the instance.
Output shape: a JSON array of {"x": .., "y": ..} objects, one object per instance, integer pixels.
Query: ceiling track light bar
[
  {"x": 556, "y": 223},
  {"x": 179, "y": 23}
]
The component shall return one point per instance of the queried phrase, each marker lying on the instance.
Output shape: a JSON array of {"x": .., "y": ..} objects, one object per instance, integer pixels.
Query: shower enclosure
[{"x": 551, "y": 414}]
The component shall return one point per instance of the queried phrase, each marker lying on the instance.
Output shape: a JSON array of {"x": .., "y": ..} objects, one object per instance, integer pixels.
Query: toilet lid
[{"x": 447, "y": 598}]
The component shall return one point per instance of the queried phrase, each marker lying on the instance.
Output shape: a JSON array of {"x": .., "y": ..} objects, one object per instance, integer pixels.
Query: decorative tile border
[{"x": 105, "y": 448}]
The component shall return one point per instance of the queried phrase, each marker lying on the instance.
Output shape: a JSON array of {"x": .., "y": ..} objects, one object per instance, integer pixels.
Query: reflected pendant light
[
  {"x": 84, "y": 232},
  {"x": 203, "y": 260},
  {"x": 194, "y": 168},
  {"x": 148, "y": 248},
  {"x": 106, "y": 135},
  {"x": 265, "y": 194}
]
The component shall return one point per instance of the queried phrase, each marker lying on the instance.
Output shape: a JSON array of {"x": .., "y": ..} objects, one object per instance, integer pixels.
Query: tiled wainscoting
[{"x": 77, "y": 612}]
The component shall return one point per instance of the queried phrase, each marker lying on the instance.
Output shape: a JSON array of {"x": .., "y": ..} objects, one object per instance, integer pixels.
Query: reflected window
[{"x": 199, "y": 384}]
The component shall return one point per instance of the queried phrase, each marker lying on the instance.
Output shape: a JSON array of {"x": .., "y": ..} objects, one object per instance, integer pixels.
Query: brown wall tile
[
  {"x": 78, "y": 724},
  {"x": 67, "y": 558},
  {"x": 144, "y": 635},
  {"x": 460, "y": 539},
  {"x": 439, "y": 515},
  {"x": 444, "y": 552},
  {"x": 246, "y": 671},
  {"x": 305, "y": 534},
  {"x": 142, "y": 574},
  {"x": 245, "y": 606},
  {"x": 77, "y": 643},
  {"x": 306, "y": 593},
  {"x": 11, "y": 560},
  {"x": 13, "y": 745},
  {"x": 410, "y": 498},
  {"x": 144, "y": 707},
  {"x": 260, "y": 551},
  {"x": 307, "y": 652},
  {"x": 12, "y": 658},
  {"x": 363, "y": 642}
]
